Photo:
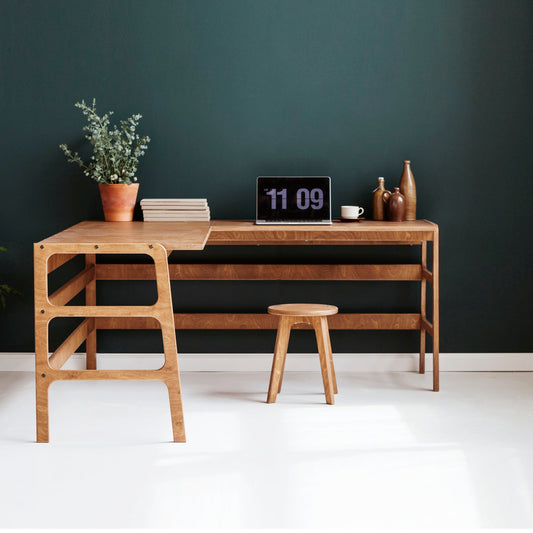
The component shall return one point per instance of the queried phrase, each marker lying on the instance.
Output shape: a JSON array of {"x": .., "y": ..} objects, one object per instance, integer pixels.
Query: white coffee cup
[{"x": 351, "y": 212}]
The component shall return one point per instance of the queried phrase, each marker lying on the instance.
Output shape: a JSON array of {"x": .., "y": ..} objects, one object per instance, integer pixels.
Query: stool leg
[
  {"x": 278, "y": 362},
  {"x": 320, "y": 325},
  {"x": 284, "y": 358},
  {"x": 284, "y": 355},
  {"x": 332, "y": 368}
]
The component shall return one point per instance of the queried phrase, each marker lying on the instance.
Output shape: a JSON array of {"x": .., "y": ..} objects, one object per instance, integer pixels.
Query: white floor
[{"x": 390, "y": 453}]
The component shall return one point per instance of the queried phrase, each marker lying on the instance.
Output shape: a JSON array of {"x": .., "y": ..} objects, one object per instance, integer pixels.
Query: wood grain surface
[
  {"x": 224, "y": 321},
  {"x": 303, "y": 310},
  {"x": 251, "y": 272},
  {"x": 172, "y": 235},
  {"x": 49, "y": 369},
  {"x": 228, "y": 232}
]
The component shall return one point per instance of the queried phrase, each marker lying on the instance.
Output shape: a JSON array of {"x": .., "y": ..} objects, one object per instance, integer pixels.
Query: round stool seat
[{"x": 303, "y": 310}]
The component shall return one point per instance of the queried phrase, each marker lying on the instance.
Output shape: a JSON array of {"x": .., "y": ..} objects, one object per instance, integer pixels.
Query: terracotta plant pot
[{"x": 118, "y": 201}]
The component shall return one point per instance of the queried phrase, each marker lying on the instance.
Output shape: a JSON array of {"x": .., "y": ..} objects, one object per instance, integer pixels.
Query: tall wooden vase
[{"x": 408, "y": 189}]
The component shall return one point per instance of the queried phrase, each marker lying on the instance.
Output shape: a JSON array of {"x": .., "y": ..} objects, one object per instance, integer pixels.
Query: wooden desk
[
  {"x": 370, "y": 232},
  {"x": 155, "y": 239},
  {"x": 159, "y": 239}
]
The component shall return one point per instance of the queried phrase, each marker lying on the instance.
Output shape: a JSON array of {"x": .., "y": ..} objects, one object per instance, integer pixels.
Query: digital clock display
[{"x": 294, "y": 199}]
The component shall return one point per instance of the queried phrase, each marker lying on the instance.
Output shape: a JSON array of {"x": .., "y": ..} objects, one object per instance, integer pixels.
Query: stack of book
[{"x": 175, "y": 209}]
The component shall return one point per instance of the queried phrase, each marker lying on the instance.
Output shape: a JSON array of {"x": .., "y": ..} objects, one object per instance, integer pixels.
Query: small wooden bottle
[
  {"x": 408, "y": 189},
  {"x": 396, "y": 206},
  {"x": 379, "y": 200}
]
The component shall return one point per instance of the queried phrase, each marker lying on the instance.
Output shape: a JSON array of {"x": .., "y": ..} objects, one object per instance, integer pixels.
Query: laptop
[{"x": 293, "y": 200}]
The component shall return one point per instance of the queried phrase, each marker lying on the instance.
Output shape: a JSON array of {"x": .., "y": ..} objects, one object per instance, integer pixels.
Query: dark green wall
[{"x": 233, "y": 89}]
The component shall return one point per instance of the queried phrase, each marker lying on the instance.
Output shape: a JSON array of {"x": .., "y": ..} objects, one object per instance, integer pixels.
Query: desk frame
[
  {"x": 155, "y": 239},
  {"x": 52, "y": 253}
]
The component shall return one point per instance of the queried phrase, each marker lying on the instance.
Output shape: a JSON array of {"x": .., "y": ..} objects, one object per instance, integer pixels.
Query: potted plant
[{"x": 113, "y": 165}]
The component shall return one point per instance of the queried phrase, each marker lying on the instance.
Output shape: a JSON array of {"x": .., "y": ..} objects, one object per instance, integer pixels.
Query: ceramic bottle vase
[
  {"x": 396, "y": 206},
  {"x": 379, "y": 200},
  {"x": 408, "y": 189}
]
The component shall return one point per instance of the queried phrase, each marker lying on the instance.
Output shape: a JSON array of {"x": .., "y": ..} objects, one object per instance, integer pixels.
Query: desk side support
[{"x": 49, "y": 368}]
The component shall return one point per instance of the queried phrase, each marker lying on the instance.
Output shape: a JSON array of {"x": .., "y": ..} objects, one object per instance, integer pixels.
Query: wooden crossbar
[
  {"x": 64, "y": 294},
  {"x": 427, "y": 325},
  {"x": 104, "y": 310},
  {"x": 427, "y": 275},
  {"x": 70, "y": 344},
  {"x": 57, "y": 260},
  {"x": 263, "y": 272},
  {"x": 139, "y": 375},
  {"x": 393, "y": 321}
]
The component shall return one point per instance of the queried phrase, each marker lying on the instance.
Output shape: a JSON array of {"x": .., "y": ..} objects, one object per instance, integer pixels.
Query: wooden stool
[{"x": 315, "y": 315}]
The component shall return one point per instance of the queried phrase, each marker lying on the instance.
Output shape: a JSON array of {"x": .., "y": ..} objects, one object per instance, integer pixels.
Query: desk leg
[
  {"x": 168, "y": 331},
  {"x": 436, "y": 311},
  {"x": 90, "y": 299},
  {"x": 42, "y": 379},
  {"x": 423, "y": 282}
]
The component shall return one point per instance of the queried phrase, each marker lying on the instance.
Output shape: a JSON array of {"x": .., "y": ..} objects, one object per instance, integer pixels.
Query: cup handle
[{"x": 361, "y": 211}]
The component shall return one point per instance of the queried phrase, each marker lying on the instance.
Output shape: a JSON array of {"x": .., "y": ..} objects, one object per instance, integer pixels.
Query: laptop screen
[{"x": 286, "y": 199}]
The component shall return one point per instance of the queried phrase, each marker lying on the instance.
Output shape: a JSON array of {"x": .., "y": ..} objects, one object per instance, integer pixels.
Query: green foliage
[
  {"x": 6, "y": 290},
  {"x": 116, "y": 150}
]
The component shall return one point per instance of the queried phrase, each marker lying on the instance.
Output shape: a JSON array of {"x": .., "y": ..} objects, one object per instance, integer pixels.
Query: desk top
[
  {"x": 172, "y": 235},
  {"x": 195, "y": 235},
  {"x": 233, "y": 232}
]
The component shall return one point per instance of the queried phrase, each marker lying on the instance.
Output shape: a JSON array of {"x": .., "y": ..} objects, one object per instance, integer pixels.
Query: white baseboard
[{"x": 344, "y": 362}]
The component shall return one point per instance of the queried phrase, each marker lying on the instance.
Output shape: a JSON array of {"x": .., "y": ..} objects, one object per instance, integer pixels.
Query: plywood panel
[
  {"x": 397, "y": 321},
  {"x": 264, "y": 272}
]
